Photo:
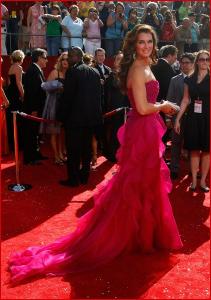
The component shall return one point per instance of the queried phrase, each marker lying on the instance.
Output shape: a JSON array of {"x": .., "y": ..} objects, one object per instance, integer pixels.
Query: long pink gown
[{"x": 132, "y": 211}]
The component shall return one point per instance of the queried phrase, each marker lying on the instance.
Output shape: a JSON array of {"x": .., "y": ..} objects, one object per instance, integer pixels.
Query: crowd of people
[
  {"x": 30, "y": 92},
  {"x": 93, "y": 97},
  {"x": 162, "y": 88},
  {"x": 56, "y": 26}
]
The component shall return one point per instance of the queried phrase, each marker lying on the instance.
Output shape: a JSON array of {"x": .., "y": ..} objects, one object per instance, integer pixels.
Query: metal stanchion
[
  {"x": 17, "y": 187},
  {"x": 125, "y": 114}
]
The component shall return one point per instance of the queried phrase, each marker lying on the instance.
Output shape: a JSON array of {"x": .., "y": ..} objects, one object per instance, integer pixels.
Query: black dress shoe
[
  {"x": 205, "y": 189},
  {"x": 174, "y": 175},
  {"x": 69, "y": 183},
  {"x": 84, "y": 177}
]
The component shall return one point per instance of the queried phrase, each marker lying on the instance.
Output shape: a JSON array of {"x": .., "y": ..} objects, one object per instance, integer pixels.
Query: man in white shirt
[{"x": 4, "y": 17}]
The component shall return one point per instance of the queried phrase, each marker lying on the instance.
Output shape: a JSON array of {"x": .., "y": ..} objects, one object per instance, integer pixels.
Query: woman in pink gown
[{"x": 132, "y": 210}]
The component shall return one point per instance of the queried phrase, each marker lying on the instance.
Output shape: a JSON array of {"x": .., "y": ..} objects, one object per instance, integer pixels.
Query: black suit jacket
[
  {"x": 107, "y": 71},
  {"x": 104, "y": 90},
  {"x": 163, "y": 72},
  {"x": 34, "y": 95},
  {"x": 81, "y": 102}
]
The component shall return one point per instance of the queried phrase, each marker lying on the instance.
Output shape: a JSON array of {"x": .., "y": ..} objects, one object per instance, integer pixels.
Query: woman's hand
[
  {"x": 177, "y": 126},
  {"x": 169, "y": 108},
  {"x": 5, "y": 105}
]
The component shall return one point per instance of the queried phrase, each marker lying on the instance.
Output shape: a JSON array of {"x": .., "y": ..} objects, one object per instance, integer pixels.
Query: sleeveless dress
[
  {"x": 37, "y": 39},
  {"x": 4, "y": 149},
  {"x": 132, "y": 210},
  {"x": 13, "y": 96},
  {"x": 197, "y": 125}
]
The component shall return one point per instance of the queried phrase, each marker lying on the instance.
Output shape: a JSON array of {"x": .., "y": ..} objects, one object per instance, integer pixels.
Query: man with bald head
[{"x": 81, "y": 113}]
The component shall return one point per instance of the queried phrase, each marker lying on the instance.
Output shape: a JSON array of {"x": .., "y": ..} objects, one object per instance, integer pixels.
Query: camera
[
  {"x": 149, "y": 10},
  {"x": 168, "y": 17}
]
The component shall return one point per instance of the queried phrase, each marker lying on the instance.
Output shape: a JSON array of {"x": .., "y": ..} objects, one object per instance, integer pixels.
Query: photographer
[
  {"x": 168, "y": 28},
  {"x": 116, "y": 27},
  {"x": 132, "y": 18},
  {"x": 53, "y": 29},
  {"x": 92, "y": 25},
  {"x": 152, "y": 17}
]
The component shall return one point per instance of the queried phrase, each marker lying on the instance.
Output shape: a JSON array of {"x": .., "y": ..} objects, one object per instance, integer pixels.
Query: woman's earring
[{"x": 134, "y": 56}]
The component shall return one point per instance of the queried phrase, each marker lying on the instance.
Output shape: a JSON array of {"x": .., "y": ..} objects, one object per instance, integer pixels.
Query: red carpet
[{"x": 47, "y": 211}]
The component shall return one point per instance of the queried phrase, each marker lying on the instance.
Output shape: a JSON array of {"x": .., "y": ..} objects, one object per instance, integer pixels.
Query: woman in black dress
[
  {"x": 196, "y": 132},
  {"x": 15, "y": 92}
]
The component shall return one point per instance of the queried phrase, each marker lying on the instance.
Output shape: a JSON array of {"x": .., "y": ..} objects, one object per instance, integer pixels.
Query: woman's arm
[
  {"x": 184, "y": 104},
  {"x": 138, "y": 85},
  {"x": 100, "y": 22},
  {"x": 64, "y": 26},
  {"x": 125, "y": 24},
  {"x": 110, "y": 20},
  {"x": 52, "y": 76},
  {"x": 5, "y": 101},
  {"x": 29, "y": 16},
  {"x": 86, "y": 24},
  {"x": 66, "y": 30}
]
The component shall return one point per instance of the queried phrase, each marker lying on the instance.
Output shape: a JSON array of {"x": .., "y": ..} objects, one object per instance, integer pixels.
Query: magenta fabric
[{"x": 132, "y": 210}]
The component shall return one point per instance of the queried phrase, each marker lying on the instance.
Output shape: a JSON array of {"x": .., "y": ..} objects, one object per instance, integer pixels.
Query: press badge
[{"x": 198, "y": 106}]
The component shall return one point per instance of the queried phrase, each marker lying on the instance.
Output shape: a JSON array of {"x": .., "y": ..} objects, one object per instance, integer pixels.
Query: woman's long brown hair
[{"x": 129, "y": 50}]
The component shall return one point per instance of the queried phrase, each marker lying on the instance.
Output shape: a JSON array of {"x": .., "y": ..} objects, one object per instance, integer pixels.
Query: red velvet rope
[{"x": 38, "y": 119}]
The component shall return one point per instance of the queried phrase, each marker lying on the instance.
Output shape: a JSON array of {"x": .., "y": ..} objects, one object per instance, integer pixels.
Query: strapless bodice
[{"x": 152, "y": 90}]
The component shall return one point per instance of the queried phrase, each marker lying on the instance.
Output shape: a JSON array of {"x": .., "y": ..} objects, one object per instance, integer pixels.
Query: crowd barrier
[
  {"x": 18, "y": 186},
  {"x": 15, "y": 36}
]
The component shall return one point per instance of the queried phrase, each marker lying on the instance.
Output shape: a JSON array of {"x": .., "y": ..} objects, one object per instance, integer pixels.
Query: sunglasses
[
  {"x": 93, "y": 11},
  {"x": 44, "y": 57},
  {"x": 202, "y": 59}
]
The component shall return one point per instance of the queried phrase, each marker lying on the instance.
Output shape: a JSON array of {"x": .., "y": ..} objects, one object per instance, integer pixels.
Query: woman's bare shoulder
[
  {"x": 53, "y": 74},
  {"x": 136, "y": 74},
  {"x": 15, "y": 69}
]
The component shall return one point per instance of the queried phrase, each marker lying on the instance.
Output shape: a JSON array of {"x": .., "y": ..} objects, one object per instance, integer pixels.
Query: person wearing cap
[
  {"x": 81, "y": 112},
  {"x": 152, "y": 17},
  {"x": 204, "y": 35},
  {"x": 194, "y": 28},
  {"x": 116, "y": 27}
]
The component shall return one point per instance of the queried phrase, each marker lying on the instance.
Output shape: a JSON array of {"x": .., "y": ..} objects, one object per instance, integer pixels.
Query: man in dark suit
[
  {"x": 175, "y": 94},
  {"x": 104, "y": 72},
  {"x": 82, "y": 112},
  {"x": 163, "y": 72},
  {"x": 34, "y": 100}
]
